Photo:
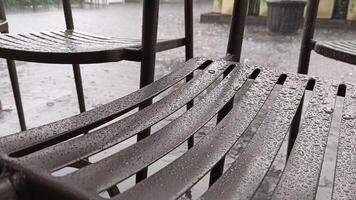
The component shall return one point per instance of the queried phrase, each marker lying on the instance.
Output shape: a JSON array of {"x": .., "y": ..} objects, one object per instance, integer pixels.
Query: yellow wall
[
  {"x": 226, "y": 8},
  {"x": 351, "y": 13},
  {"x": 325, "y": 8}
]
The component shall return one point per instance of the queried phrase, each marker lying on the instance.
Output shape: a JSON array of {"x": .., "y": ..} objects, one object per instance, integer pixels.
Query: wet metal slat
[
  {"x": 163, "y": 141},
  {"x": 193, "y": 165},
  {"x": 58, "y": 155},
  {"x": 29, "y": 160},
  {"x": 242, "y": 179},
  {"x": 301, "y": 175},
  {"x": 345, "y": 172},
  {"x": 83, "y": 122}
]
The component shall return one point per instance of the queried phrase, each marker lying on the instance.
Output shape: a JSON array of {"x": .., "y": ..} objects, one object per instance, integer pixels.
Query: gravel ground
[{"x": 48, "y": 90}]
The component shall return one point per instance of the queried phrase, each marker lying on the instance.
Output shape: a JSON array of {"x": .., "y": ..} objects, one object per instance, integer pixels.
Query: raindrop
[
  {"x": 328, "y": 110},
  {"x": 348, "y": 116},
  {"x": 211, "y": 71}
]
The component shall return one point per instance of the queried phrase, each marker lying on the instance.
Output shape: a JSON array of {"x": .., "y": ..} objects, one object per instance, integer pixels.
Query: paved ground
[{"x": 48, "y": 90}]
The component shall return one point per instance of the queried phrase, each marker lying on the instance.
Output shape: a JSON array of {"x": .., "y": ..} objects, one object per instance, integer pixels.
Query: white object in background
[{"x": 104, "y": 2}]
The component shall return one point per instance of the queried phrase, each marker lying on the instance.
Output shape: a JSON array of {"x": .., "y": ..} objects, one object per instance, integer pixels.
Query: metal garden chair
[
  {"x": 28, "y": 159},
  {"x": 74, "y": 47},
  {"x": 344, "y": 51}
]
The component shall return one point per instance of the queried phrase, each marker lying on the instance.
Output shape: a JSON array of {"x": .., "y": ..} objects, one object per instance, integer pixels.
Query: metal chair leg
[
  {"x": 79, "y": 87},
  {"x": 149, "y": 41},
  {"x": 17, "y": 93}
]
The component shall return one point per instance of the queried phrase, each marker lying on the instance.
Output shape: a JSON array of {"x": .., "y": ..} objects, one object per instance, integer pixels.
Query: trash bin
[{"x": 285, "y": 16}]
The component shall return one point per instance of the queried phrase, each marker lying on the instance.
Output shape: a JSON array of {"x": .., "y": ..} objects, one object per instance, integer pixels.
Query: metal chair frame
[{"x": 146, "y": 54}]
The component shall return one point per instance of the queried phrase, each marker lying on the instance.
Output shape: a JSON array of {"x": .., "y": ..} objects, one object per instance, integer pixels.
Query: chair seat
[
  {"x": 344, "y": 51},
  {"x": 35, "y": 154},
  {"x": 72, "y": 47}
]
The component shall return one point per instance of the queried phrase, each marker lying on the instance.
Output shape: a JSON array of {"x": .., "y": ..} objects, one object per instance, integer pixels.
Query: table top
[{"x": 39, "y": 152}]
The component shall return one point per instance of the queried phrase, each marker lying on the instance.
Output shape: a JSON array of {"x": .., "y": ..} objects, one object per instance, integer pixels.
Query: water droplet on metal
[
  {"x": 328, "y": 109},
  {"x": 211, "y": 71}
]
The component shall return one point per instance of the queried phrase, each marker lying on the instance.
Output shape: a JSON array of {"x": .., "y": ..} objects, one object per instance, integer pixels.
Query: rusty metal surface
[{"x": 38, "y": 152}]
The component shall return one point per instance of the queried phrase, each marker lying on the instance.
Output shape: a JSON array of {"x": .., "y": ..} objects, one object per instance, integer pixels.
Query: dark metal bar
[
  {"x": 308, "y": 34},
  {"x": 189, "y": 34},
  {"x": 149, "y": 46},
  {"x": 14, "y": 79},
  {"x": 17, "y": 93},
  {"x": 170, "y": 44},
  {"x": 68, "y": 14},
  {"x": 303, "y": 65},
  {"x": 2, "y": 10},
  {"x": 189, "y": 48},
  {"x": 234, "y": 47},
  {"x": 237, "y": 28},
  {"x": 79, "y": 87},
  {"x": 76, "y": 67}
]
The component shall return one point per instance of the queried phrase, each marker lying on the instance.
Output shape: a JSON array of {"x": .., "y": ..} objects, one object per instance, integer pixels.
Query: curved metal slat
[
  {"x": 83, "y": 122},
  {"x": 59, "y": 155},
  {"x": 345, "y": 173},
  {"x": 245, "y": 175},
  {"x": 74, "y": 47},
  {"x": 193, "y": 165},
  {"x": 342, "y": 47},
  {"x": 145, "y": 152},
  {"x": 67, "y": 40},
  {"x": 28, "y": 41},
  {"x": 337, "y": 50},
  {"x": 301, "y": 176},
  {"x": 40, "y": 37},
  {"x": 32, "y": 39},
  {"x": 86, "y": 37},
  {"x": 75, "y": 37}
]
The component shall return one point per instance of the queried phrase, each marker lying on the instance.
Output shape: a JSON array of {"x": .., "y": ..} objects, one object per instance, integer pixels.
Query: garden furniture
[
  {"x": 232, "y": 92},
  {"x": 75, "y": 47},
  {"x": 344, "y": 51}
]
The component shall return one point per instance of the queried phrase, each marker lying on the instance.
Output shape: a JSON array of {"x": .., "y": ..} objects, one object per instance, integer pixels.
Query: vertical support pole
[
  {"x": 17, "y": 93},
  {"x": 189, "y": 48},
  {"x": 79, "y": 87},
  {"x": 14, "y": 79},
  {"x": 149, "y": 46},
  {"x": 303, "y": 65},
  {"x": 189, "y": 33},
  {"x": 234, "y": 48},
  {"x": 68, "y": 16}
]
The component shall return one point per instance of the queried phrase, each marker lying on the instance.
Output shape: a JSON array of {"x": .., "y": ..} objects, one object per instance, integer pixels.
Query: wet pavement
[{"x": 48, "y": 90}]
